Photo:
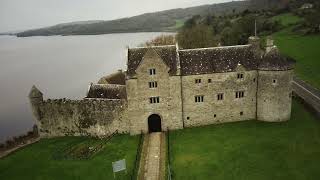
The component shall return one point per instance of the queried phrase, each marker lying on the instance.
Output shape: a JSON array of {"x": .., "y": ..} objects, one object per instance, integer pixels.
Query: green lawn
[
  {"x": 38, "y": 162},
  {"x": 287, "y": 19},
  {"x": 305, "y": 50},
  {"x": 250, "y": 150},
  {"x": 179, "y": 24}
]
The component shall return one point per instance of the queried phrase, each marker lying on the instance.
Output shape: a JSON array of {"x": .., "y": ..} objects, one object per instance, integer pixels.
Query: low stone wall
[{"x": 87, "y": 117}]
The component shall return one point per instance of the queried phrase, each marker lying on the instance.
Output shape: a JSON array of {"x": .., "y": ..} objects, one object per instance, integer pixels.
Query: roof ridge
[
  {"x": 221, "y": 47},
  {"x": 145, "y": 47}
]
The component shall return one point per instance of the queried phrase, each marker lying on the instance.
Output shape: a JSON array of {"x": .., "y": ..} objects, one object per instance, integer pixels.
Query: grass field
[
  {"x": 37, "y": 162},
  {"x": 287, "y": 19},
  {"x": 249, "y": 150},
  {"x": 303, "y": 48}
]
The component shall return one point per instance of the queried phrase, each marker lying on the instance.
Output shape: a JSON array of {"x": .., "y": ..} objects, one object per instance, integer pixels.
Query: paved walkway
[
  {"x": 310, "y": 94},
  {"x": 152, "y": 165}
]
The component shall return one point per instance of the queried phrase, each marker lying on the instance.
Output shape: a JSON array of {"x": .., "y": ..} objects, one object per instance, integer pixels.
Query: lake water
[{"x": 60, "y": 66}]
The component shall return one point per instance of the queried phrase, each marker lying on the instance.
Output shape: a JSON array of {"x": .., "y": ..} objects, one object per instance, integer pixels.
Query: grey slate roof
[
  {"x": 107, "y": 91},
  {"x": 218, "y": 59},
  {"x": 212, "y": 60},
  {"x": 167, "y": 53},
  {"x": 274, "y": 61},
  {"x": 114, "y": 78}
]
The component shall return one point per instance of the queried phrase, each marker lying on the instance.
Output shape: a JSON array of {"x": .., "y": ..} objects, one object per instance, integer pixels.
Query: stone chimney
[
  {"x": 269, "y": 45},
  {"x": 254, "y": 41},
  {"x": 36, "y": 99}
]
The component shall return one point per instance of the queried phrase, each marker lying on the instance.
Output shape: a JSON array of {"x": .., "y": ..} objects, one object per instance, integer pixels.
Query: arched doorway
[{"x": 154, "y": 123}]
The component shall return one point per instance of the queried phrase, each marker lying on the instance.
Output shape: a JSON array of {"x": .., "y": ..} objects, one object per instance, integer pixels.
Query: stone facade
[{"x": 182, "y": 88}]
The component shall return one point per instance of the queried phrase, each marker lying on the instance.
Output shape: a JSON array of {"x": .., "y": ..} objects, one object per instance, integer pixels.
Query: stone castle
[{"x": 165, "y": 87}]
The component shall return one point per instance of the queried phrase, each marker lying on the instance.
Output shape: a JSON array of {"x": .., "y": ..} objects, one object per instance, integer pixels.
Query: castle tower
[
  {"x": 275, "y": 73},
  {"x": 36, "y": 99},
  {"x": 254, "y": 41}
]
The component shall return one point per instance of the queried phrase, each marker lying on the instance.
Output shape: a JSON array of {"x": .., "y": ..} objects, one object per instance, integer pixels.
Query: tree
[
  {"x": 162, "y": 40},
  {"x": 199, "y": 36}
]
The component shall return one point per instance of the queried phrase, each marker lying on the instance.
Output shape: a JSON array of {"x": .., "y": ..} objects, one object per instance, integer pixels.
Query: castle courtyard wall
[{"x": 93, "y": 117}]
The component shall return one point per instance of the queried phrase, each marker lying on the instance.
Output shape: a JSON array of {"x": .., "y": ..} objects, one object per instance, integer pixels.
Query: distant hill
[{"x": 169, "y": 20}]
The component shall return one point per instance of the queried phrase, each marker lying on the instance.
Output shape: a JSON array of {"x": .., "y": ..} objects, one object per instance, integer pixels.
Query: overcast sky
[{"x": 28, "y": 14}]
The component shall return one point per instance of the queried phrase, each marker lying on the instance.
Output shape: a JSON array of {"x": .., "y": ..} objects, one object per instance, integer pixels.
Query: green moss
[
  {"x": 36, "y": 162},
  {"x": 249, "y": 150}
]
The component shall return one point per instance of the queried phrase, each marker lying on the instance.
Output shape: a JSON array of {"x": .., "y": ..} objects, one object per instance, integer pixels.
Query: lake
[{"x": 60, "y": 66}]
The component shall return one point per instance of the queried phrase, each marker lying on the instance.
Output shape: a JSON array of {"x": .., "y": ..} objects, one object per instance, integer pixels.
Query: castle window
[
  {"x": 197, "y": 81},
  {"x": 274, "y": 81},
  {"x": 153, "y": 84},
  {"x": 198, "y": 98},
  {"x": 254, "y": 79},
  {"x": 188, "y": 118},
  {"x": 241, "y": 113},
  {"x": 239, "y": 94},
  {"x": 240, "y": 76},
  {"x": 220, "y": 96},
  {"x": 209, "y": 80},
  {"x": 214, "y": 115},
  {"x": 152, "y": 71},
  {"x": 154, "y": 100}
]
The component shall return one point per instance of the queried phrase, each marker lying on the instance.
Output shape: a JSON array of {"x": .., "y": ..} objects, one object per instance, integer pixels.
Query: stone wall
[
  {"x": 213, "y": 110},
  {"x": 274, "y": 95},
  {"x": 94, "y": 117}
]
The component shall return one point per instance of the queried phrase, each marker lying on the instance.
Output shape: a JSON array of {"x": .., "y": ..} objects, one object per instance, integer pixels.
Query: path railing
[
  {"x": 169, "y": 171},
  {"x": 135, "y": 171}
]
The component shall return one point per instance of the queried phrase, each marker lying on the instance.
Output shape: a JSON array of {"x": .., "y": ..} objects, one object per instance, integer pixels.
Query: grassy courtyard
[
  {"x": 59, "y": 158},
  {"x": 249, "y": 150}
]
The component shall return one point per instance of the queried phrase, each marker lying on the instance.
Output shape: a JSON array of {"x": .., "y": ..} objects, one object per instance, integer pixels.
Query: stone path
[{"x": 153, "y": 155}]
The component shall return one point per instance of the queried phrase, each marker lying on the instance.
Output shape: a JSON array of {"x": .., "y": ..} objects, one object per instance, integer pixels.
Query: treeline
[
  {"x": 236, "y": 28},
  {"x": 225, "y": 30}
]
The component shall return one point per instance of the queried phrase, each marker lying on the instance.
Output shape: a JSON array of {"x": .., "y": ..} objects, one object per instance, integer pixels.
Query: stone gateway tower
[{"x": 165, "y": 87}]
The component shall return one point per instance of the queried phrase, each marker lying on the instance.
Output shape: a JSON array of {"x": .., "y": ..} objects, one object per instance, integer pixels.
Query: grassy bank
[
  {"x": 303, "y": 48},
  {"x": 42, "y": 161},
  {"x": 249, "y": 150}
]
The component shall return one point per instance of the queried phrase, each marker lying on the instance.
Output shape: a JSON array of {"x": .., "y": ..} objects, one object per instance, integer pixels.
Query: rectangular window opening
[
  {"x": 239, "y": 94},
  {"x": 220, "y": 96},
  {"x": 153, "y": 84},
  {"x": 240, "y": 76},
  {"x": 199, "y": 98},
  {"x": 197, "y": 81},
  {"x": 154, "y": 100},
  {"x": 152, "y": 71}
]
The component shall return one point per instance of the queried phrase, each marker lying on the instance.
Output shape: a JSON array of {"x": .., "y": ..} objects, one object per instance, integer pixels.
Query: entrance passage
[{"x": 154, "y": 123}]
